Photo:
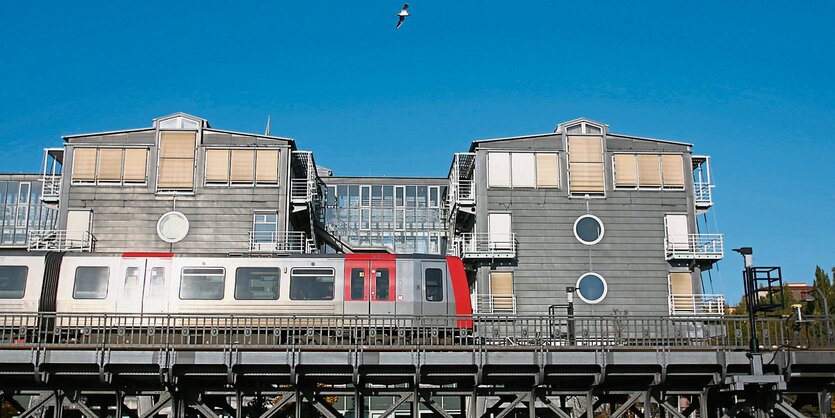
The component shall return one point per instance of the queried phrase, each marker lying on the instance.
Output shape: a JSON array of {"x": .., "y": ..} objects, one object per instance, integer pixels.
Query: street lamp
[{"x": 809, "y": 298}]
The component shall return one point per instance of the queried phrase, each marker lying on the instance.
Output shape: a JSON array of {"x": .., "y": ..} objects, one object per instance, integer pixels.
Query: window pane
[
  {"x": 23, "y": 196},
  {"x": 382, "y": 284},
  {"x": 433, "y": 197},
  {"x": 388, "y": 196},
  {"x": 311, "y": 284},
  {"x": 202, "y": 283},
  {"x": 243, "y": 166},
  {"x": 136, "y": 163},
  {"x": 649, "y": 170},
  {"x": 256, "y": 283},
  {"x": 547, "y": 170},
  {"x": 84, "y": 164},
  {"x": 434, "y": 284},
  {"x": 217, "y": 166},
  {"x": 91, "y": 282},
  {"x": 592, "y": 288},
  {"x": 12, "y": 281},
  {"x": 357, "y": 284},
  {"x": 626, "y": 172},
  {"x": 498, "y": 169},
  {"x": 156, "y": 286},
  {"x": 421, "y": 196},
  {"x": 110, "y": 164},
  {"x": 133, "y": 284},
  {"x": 411, "y": 196},
  {"x": 523, "y": 172},
  {"x": 399, "y": 192},
  {"x": 266, "y": 167},
  {"x": 365, "y": 191}
]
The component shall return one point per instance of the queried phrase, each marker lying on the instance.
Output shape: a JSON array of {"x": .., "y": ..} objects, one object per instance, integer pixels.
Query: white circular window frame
[
  {"x": 166, "y": 215},
  {"x": 599, "y": 222},
  {"x": 592, "y": 301}
]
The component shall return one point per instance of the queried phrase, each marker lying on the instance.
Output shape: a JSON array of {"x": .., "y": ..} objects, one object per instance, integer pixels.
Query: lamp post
[
  {"x": 809, "y": 298},
  {"x": 750, "y": 295}
]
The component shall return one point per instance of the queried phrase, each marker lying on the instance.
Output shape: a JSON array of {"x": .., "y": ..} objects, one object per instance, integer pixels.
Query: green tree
[{"x": 823, "y": 283}]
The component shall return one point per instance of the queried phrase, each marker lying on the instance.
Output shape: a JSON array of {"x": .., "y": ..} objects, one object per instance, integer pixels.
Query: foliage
[{"x": 7, "y": 411}]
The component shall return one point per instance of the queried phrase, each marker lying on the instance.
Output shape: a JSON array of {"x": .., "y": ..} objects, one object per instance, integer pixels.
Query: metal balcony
[
  {"x": 280, "y": 242},
  {"x": 703, "y": 195},
  {"x": 302, "y": 190},
  {"x": 484, "y": 245},
  {"x": 694, "y": 247},
  {"x": 702, "y": 184},
  {"x": 51, "y": 188},
  {"x": 696, "y": 305},
  {"x": 60, "y": 240},
  {"x": 494, "y": 304}
]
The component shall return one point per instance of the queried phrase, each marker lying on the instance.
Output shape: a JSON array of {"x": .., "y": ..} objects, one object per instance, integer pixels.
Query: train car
[{"x": 148, "y": 284}]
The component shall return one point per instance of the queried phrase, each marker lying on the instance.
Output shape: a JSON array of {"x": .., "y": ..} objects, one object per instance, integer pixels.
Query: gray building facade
[{"x": 606, "y": 219}]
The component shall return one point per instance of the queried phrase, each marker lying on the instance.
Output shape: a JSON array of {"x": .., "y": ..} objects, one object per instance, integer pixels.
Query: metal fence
[{"x": 256, "y": 332}]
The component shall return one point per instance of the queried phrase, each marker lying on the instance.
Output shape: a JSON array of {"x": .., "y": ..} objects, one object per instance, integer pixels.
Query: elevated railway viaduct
[{"x": 100, "y": 365}]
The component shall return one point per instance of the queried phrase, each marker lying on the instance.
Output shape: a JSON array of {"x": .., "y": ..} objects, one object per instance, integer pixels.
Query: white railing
[
  {"x": 280, "y": 242},
  {"x": 681, "y": 304},
  {"x": 463, "y": 192},
  {"x": 703, "y": 194},
  {"x": 485, "y": 245},
  {"x": 51, "y": 188},
  {"x": 494, "y": 304},
  {"x": 60, "y": 240},
  {"x": 694, "y": 247},
  {"x": 301, "y": 190}
]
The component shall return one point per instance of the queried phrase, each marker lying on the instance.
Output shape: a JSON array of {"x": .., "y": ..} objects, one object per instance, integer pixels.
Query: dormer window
[
  {"x": 584, "y": 128},
  {"x": 180, "y": 123}
]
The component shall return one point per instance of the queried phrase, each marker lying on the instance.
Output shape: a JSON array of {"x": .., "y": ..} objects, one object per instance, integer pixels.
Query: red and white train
[{"x": 164, "y": 283}]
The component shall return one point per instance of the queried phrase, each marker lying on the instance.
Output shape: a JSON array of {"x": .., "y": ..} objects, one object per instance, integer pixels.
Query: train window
[
  {"x": 133, "y": 284},
  {"x": 256, "y": 283},
  {"x": 357, "y": 284},
  {"x": 91, "y": 282},
  {"x": 12, "y": 281},
  {"x": 311, "y": 284},
  {"x": 156, "y": 285},
  {"x": 202, "y": 283},
  {"x": 434, "y": 285},
  {"x": 382, "y": 284}
]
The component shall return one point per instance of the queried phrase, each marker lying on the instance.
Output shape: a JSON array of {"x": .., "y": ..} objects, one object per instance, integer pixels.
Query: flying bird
[{"x": 402, "y": 15}]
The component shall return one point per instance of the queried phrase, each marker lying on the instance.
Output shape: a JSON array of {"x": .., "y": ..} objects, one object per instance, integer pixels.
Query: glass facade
[
  {"x": 407, "y": 218},
  {"x": 22, "y": 211}
]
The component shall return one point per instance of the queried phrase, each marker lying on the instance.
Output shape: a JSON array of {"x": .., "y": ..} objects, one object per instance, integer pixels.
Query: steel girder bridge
[{"x": 99, "y": 365}]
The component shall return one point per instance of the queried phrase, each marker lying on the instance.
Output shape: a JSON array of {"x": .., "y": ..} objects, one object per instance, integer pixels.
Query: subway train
[{"x": 150, "y": 284}]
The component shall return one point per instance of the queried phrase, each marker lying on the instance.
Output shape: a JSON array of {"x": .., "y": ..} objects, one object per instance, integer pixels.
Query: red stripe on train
[
  {"x": 461, "y": 290},
  {"x": 147, "y": 255}
]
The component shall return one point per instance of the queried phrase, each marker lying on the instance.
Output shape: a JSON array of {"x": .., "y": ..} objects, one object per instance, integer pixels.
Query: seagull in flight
[{"x": 402, "y": 15}]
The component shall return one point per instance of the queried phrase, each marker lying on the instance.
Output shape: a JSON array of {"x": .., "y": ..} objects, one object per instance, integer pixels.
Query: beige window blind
[
  {"x": 110, "y": 164},
  {"x": 136, "y": 165},
  {"x": 547, "y": 170},
  {"x": 626, "y": 172},
  {"x": 523, "y": 169},
  {"x": 266, "y": 166},
  {"x": 84, "y": 164},
  {"x": 649, "y": 170},
  {"x": 673, "y": 170},
  {"x": 585, "y": 164},
  {"x": 501, "y": 291},
  {"x": 682, "y": 290},
  {"x": 243, "y": 166},
  {"x": 217, "y": 166},
  {"x": 176, "y": 161}
]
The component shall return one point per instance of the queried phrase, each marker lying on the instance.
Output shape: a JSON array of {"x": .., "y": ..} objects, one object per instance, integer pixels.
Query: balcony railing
[
  {"x": 463, "y": 193},
  {"x": 50, "y": 188},
  {"x": 485, "y": 245},
  {"x": 60, "y": 240},
  {"x": 703, "y": 194},
  {"x": 697, "y": 304},
  {"x": 494, "y": 304},
  {"x": 280, "y": 242},
  {"x": 694, "y": 247},
  {"x": 302, "y": 190}
]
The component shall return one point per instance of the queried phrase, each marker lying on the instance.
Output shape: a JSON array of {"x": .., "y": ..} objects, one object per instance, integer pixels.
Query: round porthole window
[
  {"x": 592, "y": 288},
  {"x": 172, "y": 227},
  {"x": 588, "y": 229}
]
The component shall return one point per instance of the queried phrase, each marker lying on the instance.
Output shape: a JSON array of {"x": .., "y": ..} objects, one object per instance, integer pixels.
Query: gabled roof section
[
  {"x": 604, "y": 128},
  {"x": 181, "y": 121},
  {"x": 223, "y": 131},
  {"x": 509, "y": 138},
  {"x": 122, "y": 131}
]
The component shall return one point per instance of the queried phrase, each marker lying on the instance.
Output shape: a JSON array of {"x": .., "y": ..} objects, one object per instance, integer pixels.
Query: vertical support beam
[
  {"x": 704, "y": 411},
  {"x": 59, "y": 404},
  {"x": 359, "y": 402},
  {"x": 415, "y": 403},
  {"x": 532, "y": 404},
  {"x": 647, "y": 404},
  {"x": 239, "y": 403},
  {"x": 589, "y": 405},
  {"x": 299, "y": 401},
  {"x": 825, "y": 403},
  {"x": 472, "y": 407},
  {"x": 119, "y": 404}
]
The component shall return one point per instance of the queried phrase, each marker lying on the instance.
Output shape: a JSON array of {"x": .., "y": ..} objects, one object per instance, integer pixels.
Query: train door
[
  {"x": 434, "y": 288},
  {"x": 370, "y": 283},
  {"x": 144, "y": 285}
]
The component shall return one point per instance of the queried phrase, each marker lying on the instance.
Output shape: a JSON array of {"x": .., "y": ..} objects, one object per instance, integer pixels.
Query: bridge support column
[{"x": 825, "y": 403}]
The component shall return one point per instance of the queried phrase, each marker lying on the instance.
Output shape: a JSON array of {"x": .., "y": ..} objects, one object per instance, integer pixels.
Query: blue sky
[{"x": 750, "y": 83}]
